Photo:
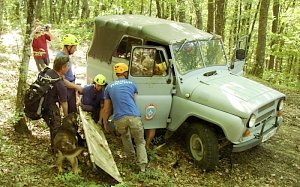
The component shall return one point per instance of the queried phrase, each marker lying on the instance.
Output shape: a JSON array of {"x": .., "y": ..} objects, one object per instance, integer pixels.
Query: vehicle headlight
[
  {"x": 280, "y": 105},
  {"x": 252, "y": 121}
]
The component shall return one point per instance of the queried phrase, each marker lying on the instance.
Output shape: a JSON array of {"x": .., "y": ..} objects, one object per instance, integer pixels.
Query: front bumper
[{"x": 263, "y": 136}]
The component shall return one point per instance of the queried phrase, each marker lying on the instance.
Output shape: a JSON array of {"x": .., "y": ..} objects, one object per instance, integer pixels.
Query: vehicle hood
[{"x": 230, "y": 93}]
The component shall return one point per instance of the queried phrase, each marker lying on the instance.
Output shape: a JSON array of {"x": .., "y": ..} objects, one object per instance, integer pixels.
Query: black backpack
[{"x": 35, "y": 95}]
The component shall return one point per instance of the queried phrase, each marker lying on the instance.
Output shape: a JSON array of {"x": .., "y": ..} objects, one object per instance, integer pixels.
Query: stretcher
[{"x": 99, "y": 151}]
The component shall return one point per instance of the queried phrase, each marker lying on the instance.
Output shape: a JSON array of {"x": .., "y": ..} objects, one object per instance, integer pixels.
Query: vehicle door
[{"x": 149, "y": 69}]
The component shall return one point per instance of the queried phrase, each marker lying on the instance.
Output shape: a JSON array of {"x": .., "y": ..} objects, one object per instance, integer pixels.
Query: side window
[
  {"x": 160, "y": 66},
  {"x": 124, "y": 48},
  {"x": 148, "y": 62}
]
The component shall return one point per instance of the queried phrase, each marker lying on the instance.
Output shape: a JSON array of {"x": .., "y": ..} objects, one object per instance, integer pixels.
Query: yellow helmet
[
  {"x": 120, "y": 68},
  {"x": 100, "y": 79},
  {"x": 69, "y": 39}
]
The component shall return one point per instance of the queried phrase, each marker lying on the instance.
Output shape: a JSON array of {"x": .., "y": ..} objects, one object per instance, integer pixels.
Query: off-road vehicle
[{"x": 187, "y": 84}]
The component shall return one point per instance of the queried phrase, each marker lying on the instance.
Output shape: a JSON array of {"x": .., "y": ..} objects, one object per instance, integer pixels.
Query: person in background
[
  {"x": 39, "y": 45},
  {"x": 70, "y": 43},
  {"x": 121, "y": 96},
  {"x": 92, "y": 97}
]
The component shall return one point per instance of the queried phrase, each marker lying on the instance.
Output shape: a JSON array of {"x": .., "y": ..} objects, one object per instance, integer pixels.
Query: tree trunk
[
  {"x": 262, "y": 35},
  {"x": 181, "y": 10},
  {"x": 20, "y": 126},
  {"x": 61, "y": 10},
  {"x": 158, "y": 8},
  {"x": 274, "y": 31},
  {"x": 220, "y": 20},
  {"x": 38, "y": 10},
  {"x": 173, "y": 11},
  {"x": 142, "y": 7},
  {"x": 198, "y": 10},
  {"x": 1, "y": 15},
  {"x": 150, "y": 7},
  {"x": 210, "y": 16},
  {"x": 234, "y": 31},
  {"x": 252, "y": 28},
  {"x": 85, "y": 9}
]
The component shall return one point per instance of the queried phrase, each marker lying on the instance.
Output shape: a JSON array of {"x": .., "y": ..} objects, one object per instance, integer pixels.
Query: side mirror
[{"x": 240, "y": 54}]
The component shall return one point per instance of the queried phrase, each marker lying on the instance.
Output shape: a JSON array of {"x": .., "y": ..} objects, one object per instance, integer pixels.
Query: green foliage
[
  {"x": 83, "y": 29},
  {"x": 71, "y": 179},
  {"x": 16, "y": 118},
  {"x": 149, "y": 178},
  {"x": 281, "y": 78}
]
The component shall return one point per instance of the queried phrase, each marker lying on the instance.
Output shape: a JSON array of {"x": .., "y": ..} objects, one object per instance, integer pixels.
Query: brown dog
[{"x": 65, "y": 143}]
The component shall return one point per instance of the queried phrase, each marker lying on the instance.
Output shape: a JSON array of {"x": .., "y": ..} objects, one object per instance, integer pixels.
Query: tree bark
[
  {"x": 85, "y": 9},
  {"x": 262, "y": 35},
  {"x": 210, "y": 16},
  {"x": 38, "y": 10},
  {"x": 173, "y": 11},
  {"x": 181, "y": 10},
  {"x": 61, "y": 10},
  {"x": 274, "y": 31},
  {"x": 20, "y": 126},
  {"x": 1, "y": 15},
  {"x": 158, "y": 8},
  {"x": 198, "y": 10},
  {"x": 220, "y": 17}
]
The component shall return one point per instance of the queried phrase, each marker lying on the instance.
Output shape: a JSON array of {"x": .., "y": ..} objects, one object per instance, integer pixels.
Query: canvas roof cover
[{"x": 110, "y": 29}]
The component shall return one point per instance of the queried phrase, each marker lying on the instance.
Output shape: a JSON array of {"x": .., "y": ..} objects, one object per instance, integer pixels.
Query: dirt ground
[{"x": 26, "y": 161}]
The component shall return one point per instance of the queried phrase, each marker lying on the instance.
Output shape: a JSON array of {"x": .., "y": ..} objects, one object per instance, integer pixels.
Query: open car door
[{"x": 149, "y": 69}]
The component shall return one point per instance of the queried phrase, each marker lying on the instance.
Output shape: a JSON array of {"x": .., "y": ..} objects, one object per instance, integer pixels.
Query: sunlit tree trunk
[
  {"x": 85, "y": 9},
  {"x": 274, "y": 31},
  {"x": 234, "y": 31},
  {"x": 38, "y": 10},
  {"x": 142, "y": 7},
  {"x": 262, "y": 35},
  {"x": 251, "y": 29},
  {"x": 20, "y": 126},
  {"x": 220, "y": 17},
  {"x": 158, "y": 8},
  {"x": 173, "y": 11},
  {"x": 181, "y": 10},
  {"x": 61, "y": 10},
  {"x": 198, "y": 11},
  {"x": 210, "y": 16},
  {"x": 150, "y": 7},
  {"x": 1, "y": 15}
]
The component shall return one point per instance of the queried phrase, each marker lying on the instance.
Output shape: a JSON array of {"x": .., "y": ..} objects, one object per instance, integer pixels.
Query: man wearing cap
[
  {"x": 58, "y": 94},
  {"x": 121, "y": 96},
  {"x": 70, "y": 43}
]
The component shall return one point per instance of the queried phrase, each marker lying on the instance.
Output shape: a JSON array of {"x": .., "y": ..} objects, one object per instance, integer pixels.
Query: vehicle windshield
[{"x": 193, "y": 55}]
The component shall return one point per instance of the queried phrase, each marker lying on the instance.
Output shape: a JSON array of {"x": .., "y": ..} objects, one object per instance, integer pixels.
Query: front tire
[{"x": 202, "y": 145}]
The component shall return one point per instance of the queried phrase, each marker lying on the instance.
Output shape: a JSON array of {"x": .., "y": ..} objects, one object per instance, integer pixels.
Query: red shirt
[{"x": 39, "y": 46}]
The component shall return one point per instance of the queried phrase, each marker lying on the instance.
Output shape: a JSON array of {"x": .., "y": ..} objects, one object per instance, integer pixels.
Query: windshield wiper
[{"x": 210, "y": 73}]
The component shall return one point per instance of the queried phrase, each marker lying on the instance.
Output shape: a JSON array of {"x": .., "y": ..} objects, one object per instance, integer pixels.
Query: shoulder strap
[{"x": 44, "y": 77}]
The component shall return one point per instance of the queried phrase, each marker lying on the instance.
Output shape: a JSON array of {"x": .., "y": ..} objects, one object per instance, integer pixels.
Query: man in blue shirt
[
  {"x": 70, "y": 43},
  {"x": 92, "y": 97},
  {"x": 121, "y": 96}
]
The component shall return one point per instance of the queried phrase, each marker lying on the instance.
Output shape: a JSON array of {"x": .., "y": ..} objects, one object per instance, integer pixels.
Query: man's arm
[
  {"x": 72, "y": 85},
  {"x": 107, "y": 109},
  {"x": 64, "y": 106},
  {"x": 49, "y": 34}
]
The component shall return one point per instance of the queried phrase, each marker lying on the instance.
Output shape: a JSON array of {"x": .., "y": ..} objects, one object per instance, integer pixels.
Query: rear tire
[{"x": 202, "y": 145}]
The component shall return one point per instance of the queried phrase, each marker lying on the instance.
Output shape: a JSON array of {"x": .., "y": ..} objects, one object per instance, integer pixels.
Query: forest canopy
[{"x": 269, "y": 30}]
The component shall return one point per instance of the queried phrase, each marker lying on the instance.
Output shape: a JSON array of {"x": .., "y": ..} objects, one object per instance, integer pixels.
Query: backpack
[{"x": 35, "y": 95}]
